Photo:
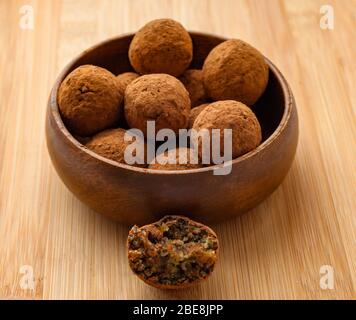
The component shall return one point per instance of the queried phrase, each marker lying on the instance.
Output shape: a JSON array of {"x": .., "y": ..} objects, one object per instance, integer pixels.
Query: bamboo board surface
[{"x": 274, "y": 251}]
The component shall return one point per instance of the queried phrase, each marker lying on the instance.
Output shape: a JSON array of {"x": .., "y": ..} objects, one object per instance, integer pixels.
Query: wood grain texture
[{"x": 274, "y": 251}]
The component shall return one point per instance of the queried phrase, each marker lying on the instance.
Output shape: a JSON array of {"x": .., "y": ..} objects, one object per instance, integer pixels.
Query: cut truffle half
[{"x": 174, "y": 252}]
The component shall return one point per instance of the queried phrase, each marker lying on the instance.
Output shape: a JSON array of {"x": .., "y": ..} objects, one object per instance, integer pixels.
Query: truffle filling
[{"x": 172, "y": 251}]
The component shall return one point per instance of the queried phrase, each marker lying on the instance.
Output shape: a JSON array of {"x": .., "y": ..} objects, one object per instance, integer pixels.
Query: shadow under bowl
[{"x": 132, "y": 195}]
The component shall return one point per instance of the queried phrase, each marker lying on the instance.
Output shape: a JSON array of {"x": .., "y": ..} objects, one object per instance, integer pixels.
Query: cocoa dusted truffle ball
[
  {"x": 193, "y": 82},
  {"x": 234, "y": 70},
  {"x": 176, "y": 159},
  {"x": 157, "y": 97},
  {"x": 126, "y": 78},
  {"x": 89, "y": 100},
  {"x": 112, "y": 145},
  {"x": 161, "y": 46},
  {"x": 172, "y": 253},
  {"x": 195, "y": 112},
  {"x": 234, "y": 115}
]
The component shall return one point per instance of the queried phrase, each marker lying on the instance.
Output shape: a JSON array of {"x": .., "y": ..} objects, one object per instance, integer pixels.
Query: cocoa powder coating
[
  {"x": 111, "y": 144},
  {"x": 184, "y": 158},
  {"x": 89, "y": 100},
  {"x": 194, "y": 113},
  {"x": 234, "y": 115},
  {"x": 157, "y": 97},
  {"x": 126, "y": 78},
  {"x": 161, "y": 46},
  {"x": 234, "y": 70},
  {"x": 193, "y": 82}
]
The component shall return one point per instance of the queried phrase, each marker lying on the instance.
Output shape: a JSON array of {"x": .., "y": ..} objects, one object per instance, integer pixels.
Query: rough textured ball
[
  {"x": 126, "y": 78},
  {"x": 234, "y": 70},
  {"x": 161, "y": 46},
  {"x": 184, "y": 158},
  {"x": 195, "y": 112},
  {"x": 172, "y": 253},
  {"x": 112, "y": 145},
  {"x": 89, "y": 100},
  {"x": 234, "y": 115},
  {"x": 157, "y": 97},
  {"x": 193, "y": 82}
]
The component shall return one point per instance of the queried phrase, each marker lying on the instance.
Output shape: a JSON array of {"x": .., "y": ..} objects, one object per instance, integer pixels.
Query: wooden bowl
[{"x": 134, "y": 195}]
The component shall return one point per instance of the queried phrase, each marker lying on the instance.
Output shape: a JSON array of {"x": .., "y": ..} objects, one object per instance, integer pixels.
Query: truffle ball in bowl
[
  {"x": 194, "y": 113},
  {"x": 112, "y": 145},
  {"x": 235, "y": 70},
  {"x": 126, "y": 78},
  {"x": 89, "y": 99},
  {"x": 176, "y": 159},
  {"x": 234, "y": 115},
  {"x": 193, "y": 81},
  {"x": 161, "y": 46},
  {"x": 157, "y": 97}
]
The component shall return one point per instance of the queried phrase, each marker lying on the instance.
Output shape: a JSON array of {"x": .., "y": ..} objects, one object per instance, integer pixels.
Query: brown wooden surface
[{"x": 274, "y": 251}]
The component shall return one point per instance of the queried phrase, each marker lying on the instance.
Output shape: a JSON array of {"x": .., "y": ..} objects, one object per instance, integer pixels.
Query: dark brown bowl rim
[{"x": 288, "y": 98}]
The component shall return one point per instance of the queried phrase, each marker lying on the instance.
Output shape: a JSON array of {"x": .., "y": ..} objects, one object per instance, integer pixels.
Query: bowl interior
[{"x": 113, "y": 55}]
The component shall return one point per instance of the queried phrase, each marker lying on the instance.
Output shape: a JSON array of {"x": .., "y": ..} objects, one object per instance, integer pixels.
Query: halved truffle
[{"x": 174, "y": 252}]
